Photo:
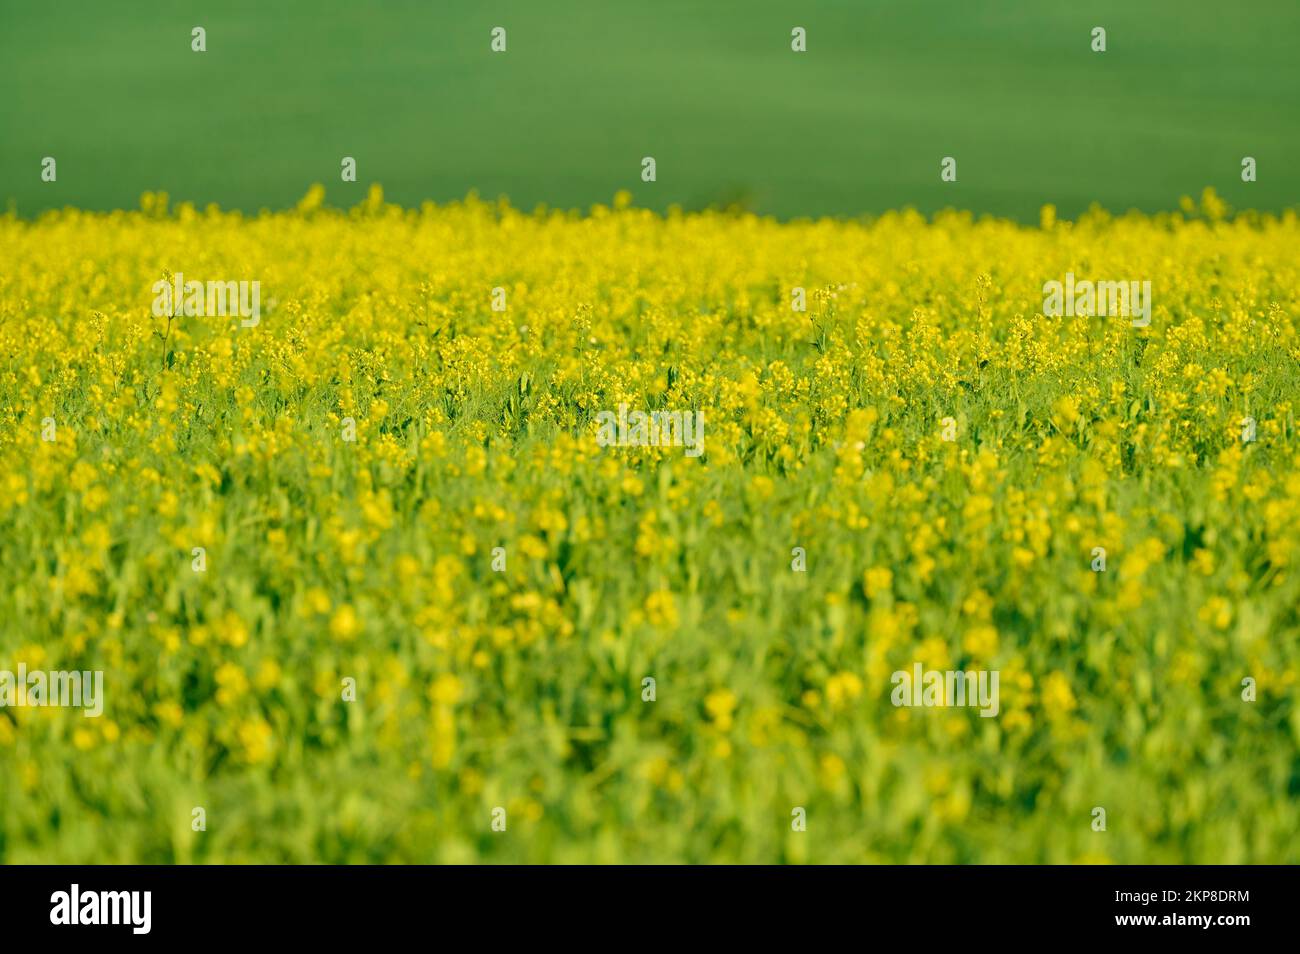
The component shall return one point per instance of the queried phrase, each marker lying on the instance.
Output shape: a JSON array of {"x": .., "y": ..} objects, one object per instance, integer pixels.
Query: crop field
[{"x": 368, "y": 580}]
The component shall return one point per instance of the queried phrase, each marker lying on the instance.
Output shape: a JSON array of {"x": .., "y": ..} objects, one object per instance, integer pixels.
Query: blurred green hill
[{"x": 858, "y": 123}]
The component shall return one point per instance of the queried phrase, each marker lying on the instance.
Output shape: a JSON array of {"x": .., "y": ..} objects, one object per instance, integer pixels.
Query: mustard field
[{"x": 465, "y": 534}]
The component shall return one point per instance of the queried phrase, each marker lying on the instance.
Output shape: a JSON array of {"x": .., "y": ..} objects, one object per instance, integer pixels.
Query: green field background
[{"x": 712, "y": 90}]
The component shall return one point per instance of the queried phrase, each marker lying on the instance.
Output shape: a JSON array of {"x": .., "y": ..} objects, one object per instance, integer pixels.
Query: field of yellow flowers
[{"x": 391, "y": 637}]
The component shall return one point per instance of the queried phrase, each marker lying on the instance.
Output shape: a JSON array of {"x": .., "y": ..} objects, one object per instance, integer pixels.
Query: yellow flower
[
  {"x": 877, "y": 580},
  {"x": 980, "y": 641},
  {"x": 255, "y": 736},
  {"x": 720, "y": 704},
  {"x": 268, "y": 675},
  {"x": 661, "y": 609},
  {"x": 446, "y": 690},
  {"x": 842, "y": 688},
  {"x": 344, "y": 624},
  {"x": 1057, "y": 696},
  {"x": 316, "y": 600},
  {"x": 1217, "y": 612},
  {"x": 1065, "y": 412}
]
